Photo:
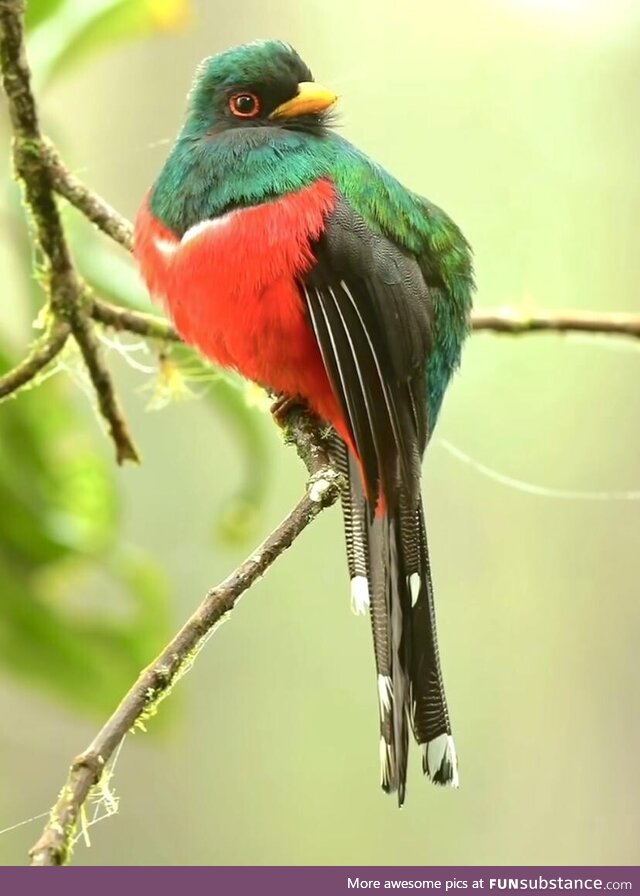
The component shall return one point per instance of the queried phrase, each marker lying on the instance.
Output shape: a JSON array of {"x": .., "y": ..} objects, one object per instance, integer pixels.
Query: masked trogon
[{"x": 282, "y": 251}]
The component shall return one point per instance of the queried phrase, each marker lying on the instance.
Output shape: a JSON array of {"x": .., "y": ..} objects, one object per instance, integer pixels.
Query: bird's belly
[{"x": 230, "y": 286}]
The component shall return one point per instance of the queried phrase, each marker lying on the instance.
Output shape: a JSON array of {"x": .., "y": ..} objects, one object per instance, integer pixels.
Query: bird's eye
[{"x": 244, "y": 105}]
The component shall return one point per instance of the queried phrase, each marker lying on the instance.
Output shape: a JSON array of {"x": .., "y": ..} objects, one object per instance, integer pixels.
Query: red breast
[{"x": 230, "y": 286}]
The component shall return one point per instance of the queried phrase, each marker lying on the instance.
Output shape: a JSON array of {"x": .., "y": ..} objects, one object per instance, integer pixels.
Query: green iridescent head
[{"x": 263, "y": 83}]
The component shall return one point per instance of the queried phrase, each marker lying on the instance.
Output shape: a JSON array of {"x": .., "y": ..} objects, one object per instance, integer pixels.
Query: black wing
[{"x": 371, "y": 312}]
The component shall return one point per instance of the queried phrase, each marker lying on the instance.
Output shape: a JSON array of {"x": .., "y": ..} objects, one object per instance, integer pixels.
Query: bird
[{"x": 283, "y": 252}]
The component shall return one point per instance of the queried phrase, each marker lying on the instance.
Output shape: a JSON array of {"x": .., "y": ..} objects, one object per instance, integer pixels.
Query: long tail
[{"x": 388, "y": 560}]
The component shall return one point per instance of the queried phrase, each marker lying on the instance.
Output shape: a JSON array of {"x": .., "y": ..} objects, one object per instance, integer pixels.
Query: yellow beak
[{"x": 310, "y": 99}]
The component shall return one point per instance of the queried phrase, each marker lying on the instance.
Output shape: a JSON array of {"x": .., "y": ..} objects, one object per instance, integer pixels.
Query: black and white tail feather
[
  {"x": 391, "y": 579},
  {"x": 370, "y": 309}
]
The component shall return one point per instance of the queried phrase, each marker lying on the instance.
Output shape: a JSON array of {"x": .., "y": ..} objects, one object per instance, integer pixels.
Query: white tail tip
[
  {"x": 440, "y": 761},
  {"x": 385, "y": 763},
  {"x": 359, "y": 595},
  {"x": 414, "y": 586}
]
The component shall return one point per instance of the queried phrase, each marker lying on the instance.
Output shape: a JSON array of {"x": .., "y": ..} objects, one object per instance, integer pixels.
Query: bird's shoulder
[{"x": 407, "y": 219}]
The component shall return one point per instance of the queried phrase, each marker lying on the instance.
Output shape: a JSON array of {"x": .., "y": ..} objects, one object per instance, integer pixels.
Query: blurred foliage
[
  {"x": 59, "y": 522},
  {"x": 39, "y": 11},
  {"x": 66, "y": 33},
  {"x": 59, "y": 517}
]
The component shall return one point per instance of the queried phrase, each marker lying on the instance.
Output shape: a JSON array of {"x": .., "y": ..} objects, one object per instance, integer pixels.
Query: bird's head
[
  {"x": 256, "y": 128},
  {"x": 259, "y": 84}
]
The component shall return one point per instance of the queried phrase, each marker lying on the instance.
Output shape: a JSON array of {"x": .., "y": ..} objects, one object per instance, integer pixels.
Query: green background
[{"x": 520, "y": 118}]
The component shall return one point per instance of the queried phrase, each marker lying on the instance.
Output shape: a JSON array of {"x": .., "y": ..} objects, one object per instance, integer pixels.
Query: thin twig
[
  {"x": 137, "y": 322},
  {"x": 108, "y": 402},
  {"x": 157, "y": 680},
  {"x": 43, "y": 351},
  {"x": 92, "y": 206},
  {"x": 514, "y": 322}
]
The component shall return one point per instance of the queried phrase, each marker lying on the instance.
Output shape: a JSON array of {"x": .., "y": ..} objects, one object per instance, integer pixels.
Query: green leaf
[
  {"x": 38, "y": 11},
  {"x": 79, "y": 31}
]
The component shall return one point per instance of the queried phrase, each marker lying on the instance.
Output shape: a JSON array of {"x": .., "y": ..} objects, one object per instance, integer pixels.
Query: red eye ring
[{"x": 244, "y": 105}]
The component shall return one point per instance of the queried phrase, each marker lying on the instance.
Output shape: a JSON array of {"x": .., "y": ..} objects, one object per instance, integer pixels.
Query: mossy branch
[
  {"x": 42, "y": 353},
  {"x": 93, "y": 207},
  {"x": 65, "y": 292},
  {"x": 124, "y": 320}
]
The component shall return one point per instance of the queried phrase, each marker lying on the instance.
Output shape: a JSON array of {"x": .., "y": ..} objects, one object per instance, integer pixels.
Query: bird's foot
[{"x": 283, "y": 405}]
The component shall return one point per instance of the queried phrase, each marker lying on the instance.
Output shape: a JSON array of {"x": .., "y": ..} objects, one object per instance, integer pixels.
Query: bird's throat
[{"x": 205, "y": 177}]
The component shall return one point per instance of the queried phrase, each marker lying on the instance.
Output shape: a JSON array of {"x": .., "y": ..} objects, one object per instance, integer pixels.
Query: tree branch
[
  {"x": 122, "y": 319},
  {"x": 157, "y": 680},
  {"x": 108, "y": 403},
  {"x": 516, "y": 322},
  {"x": 43, "y": 351},
  {"x": 92, "y": 206},
  {"x": 66, "y": 292}
]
